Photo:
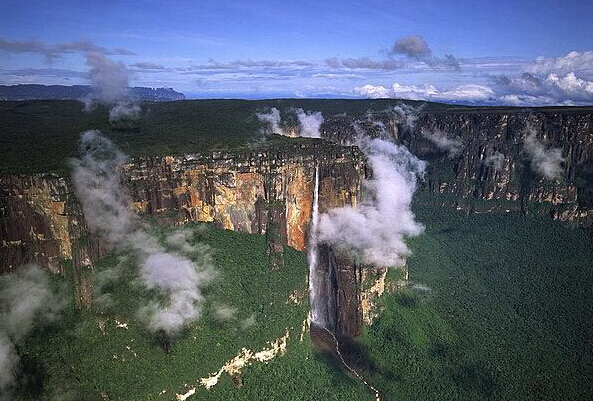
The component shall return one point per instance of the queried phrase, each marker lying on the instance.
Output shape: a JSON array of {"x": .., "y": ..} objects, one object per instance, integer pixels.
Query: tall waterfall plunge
[
  {"x": 321, "y": 275},
  {"x": 313, "y": 254}
]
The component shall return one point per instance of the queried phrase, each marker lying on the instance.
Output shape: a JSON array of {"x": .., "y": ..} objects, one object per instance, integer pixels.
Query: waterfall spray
[{"x": 313, "y": 254}]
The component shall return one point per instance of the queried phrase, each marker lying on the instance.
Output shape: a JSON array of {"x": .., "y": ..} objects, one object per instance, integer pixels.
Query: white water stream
[
  {"x": 313, "y": 256},
  {"x": 351, "y": 369}
]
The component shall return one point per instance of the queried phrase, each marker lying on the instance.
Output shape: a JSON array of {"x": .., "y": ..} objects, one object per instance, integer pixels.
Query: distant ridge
[{"x": 45, "y": 92}]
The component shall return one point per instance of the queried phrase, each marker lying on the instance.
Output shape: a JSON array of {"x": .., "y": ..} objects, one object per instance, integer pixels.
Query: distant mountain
[{"x": 34, "y": 91}]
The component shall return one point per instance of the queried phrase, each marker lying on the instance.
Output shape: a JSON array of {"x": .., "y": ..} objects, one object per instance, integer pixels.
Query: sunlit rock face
[
  {"x": 250, "y": 191},
  {"x": 512, "y": 185},
  {"x": 269, "y": 190},
  {"x": 266, "y": 191},
  {"x": 238, "y": 190},
  {"x": 41, "y": 222}
]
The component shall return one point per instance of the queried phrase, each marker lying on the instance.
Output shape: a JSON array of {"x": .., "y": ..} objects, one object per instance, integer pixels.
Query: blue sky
[{"x": 312, "y": 48}]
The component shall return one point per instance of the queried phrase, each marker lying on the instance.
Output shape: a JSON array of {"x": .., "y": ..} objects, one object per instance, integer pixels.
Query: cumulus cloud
[
  {"x": 544, "y": 161},
  {"x": 309, "y": 123},
  {"x": 374, "y": 232},
  {"x": 412, "y": 46},
  {"x": 495, "y": 160},
  {"x": 178, "y": 275},
  {"x": 461, "y": 93},
  {"x": 580, "y": 63},
  {"x": 529, "y": 89},
  {"x": 566, "y": 80},
  {"x": 415, "y": 47},
  {"x": 453, "y": 145},
  {"x": 27, "y": 301}
]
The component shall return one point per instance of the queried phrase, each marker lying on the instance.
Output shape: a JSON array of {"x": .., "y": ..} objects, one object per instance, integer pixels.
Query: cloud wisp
[
  {"x": 309, "y": 123},
  {"x": 272, "y": 120},
  {"x": 374, "y": 232},
  {"x": 53, "y": 51},
  {"x": 543, "y": 160},
  {"x": 453, "y": 145},
  {"x": 27, "y": 301},
  {"x": 179, "y": 274},
  {"x": 109, "y": 81}
]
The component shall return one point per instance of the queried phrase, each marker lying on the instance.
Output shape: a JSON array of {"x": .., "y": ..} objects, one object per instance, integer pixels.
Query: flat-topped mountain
[{"x": 74, "y": 92}]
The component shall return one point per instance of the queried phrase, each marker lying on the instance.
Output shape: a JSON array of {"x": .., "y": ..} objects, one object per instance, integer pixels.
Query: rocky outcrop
[
  {"x": 467, "y": 181},
  {"x": 269, "y": 189}
]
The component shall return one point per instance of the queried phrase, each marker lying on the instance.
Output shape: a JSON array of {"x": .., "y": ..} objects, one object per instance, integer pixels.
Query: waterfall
[
  {"x": 322, "y": 297},
  {"x": 322, "y": 276},
  {"x": 313, "y": 256}
]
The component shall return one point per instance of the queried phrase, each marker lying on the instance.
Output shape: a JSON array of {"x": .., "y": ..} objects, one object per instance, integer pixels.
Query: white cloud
[
  {"x": 571, "y": 84},
  {"x": 573, "y": 62},
  {"x": 546, "y": 162},
  {"x": 375, "y": 231},
  {"x": 468, "y": 93},
  {"x": 271, "y": 119},
  {"x": 495, "y": 160},
  {"x": 178, "y": 278},
  {"x": 309, "y": 123},
  {"x": 453, "y": 145},
  {"x": 27, "y": 301}
]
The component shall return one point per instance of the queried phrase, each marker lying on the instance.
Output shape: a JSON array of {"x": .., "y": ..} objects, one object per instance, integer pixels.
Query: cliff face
[
  {"x": 248, "y": 191},
  {"x": 468, "y": 182},
  {"x": 41, "y": 222},
  {"x": 267, "y": 191},
  {"x": 257, "y": 191}
]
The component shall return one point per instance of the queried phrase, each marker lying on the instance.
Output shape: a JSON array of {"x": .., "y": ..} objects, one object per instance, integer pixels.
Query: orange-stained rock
[
  {"x": 299, "y": 205},
  {"x": 234, "y": 190}
]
